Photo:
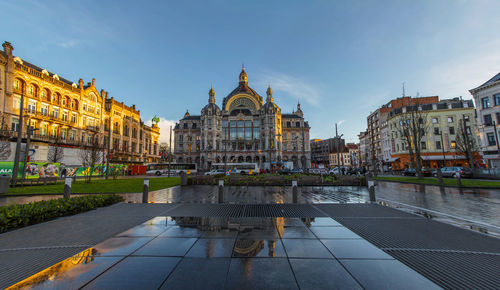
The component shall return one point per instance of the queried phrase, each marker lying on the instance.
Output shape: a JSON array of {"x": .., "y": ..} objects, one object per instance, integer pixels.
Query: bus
[
  {"x": 237, "y": 168},
  {"x": 175, "y": 168}
]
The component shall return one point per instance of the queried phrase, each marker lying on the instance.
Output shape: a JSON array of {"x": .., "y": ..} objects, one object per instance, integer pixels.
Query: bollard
[
  {"x": 371, "y": 190},
  {"x": 459, "y": 180},
  {"x": 440, "y": 177},
  {"x": 67, "y": 187},
  {"x": 145, "y": 191},
  {"x": 183, "y": 178},
  {"x": 221, "y": 190},
  {"x": 294, "y": 191}
]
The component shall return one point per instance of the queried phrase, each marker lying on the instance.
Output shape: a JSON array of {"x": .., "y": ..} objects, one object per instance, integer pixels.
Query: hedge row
[{"x": 21, "y": 215}]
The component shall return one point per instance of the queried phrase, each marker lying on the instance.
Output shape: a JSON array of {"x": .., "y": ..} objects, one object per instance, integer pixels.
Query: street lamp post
[
  {"x": 337, "y": 137},
  {"x": 442, "y": 147},
  {"x": 19, "y": 138}
]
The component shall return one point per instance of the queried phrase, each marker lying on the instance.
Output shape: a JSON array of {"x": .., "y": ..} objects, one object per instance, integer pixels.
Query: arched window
[
  {"x": 125, "y": 130},
  {"x": 45, "y": 94},
  {"x": 56, "y": 98},
  {"x": 74, "y": 104},
  {"x": 31, "y": 90}
]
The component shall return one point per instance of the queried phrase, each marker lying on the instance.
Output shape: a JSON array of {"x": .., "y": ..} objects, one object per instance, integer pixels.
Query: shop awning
[
  {"x": 392, "y": 159},
  {"x": 440, "y": 157}
]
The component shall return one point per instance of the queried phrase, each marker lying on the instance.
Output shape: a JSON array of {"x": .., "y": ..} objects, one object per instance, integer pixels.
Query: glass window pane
[
  {"x": 240, "y": 132},
  {"x": 256, "y": 123},
  {"x": 248, "y": 123},
  {"x": 241, "y": 124},
  {"x": 248, "y": 133},
  {"x": 233, "y": 133},
  {"x": 256, "y": 133}
]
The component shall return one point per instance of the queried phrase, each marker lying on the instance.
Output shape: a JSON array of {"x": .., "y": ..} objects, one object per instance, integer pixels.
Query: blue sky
[{"x": 341, "y": 59}]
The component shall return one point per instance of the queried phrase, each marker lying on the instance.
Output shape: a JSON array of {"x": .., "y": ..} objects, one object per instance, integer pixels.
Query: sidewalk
[
  {"x": 28, "y": 250},
  {"x": 226, "y": 245}
]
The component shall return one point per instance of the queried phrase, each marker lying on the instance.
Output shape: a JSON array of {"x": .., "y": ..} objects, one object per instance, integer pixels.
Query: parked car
[
  {"x": 285, "y": 171},
  {"x": 427, "y": 171},
  {"x": 296, "y": 171},
  {"x": 454, "y": 171},
  {"x": 215, "y": 172},
  {"x": 410, "y": 172}
]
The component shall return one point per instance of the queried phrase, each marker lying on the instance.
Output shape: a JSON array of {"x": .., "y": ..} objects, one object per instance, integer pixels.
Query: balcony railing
[{"x": 92, "y": 128}]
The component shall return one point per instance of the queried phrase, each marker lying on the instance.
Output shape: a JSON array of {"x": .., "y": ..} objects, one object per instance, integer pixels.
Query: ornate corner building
[
  {"x": 245, "y": 130},
  {"x": 69, "y": 115}
]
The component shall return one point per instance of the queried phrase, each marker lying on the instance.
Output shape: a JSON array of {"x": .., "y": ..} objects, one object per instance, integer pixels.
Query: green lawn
[
  {"x": 446, "y": 181},
  {"x": 100, "y": 186}
]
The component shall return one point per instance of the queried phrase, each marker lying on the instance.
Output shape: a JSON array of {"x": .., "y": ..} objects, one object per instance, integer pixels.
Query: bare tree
[
  {"x": 466, "y": 143},
  {"x": 412, "y": 127},
  {"x": 90, "y": 156},
  {"x": 56, "y": 151}
]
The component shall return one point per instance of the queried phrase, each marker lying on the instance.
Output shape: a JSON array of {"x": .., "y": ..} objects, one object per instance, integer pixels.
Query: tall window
[
  {"x": 487, "y": 120},
  {"x": 423, "y": 145},
  {"x": 497, "y": 99},
  {"x": 32, "y": 106},
  {"x": 450, "y": 119},
  {"x": 434, "y": 120},
  {"x": 242, "y": 130},
  {"x": 452, "y": 130},
  {"x": 438, "y": 144},
  {"x": 491, "y": 139},
  {"x": 15, "y": 124},
  {"x": 485, "y": 102}
]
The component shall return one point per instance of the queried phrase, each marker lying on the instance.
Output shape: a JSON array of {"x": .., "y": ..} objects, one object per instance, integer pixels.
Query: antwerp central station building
[{"x": 244, "y": 130}]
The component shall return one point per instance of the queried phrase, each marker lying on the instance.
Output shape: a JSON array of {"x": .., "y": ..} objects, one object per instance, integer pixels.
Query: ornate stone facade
[
  {"x": 245, "y": 130},
  {"x": 69, "y": 115}
]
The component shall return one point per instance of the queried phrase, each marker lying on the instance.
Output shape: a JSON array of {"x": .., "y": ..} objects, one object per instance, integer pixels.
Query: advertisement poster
[
  {"x": 33, "y": 169},
  {"x": 99, "y": 169}
]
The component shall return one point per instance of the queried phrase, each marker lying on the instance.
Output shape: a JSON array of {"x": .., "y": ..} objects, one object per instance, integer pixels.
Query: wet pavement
[
  {"x": 232, "y": 195},
  {"x": 476, "y": 205},
  {"x": 232, "y": 253}
]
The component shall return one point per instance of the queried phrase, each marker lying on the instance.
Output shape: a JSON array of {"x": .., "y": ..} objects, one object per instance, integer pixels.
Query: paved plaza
[
  {"x": 339, "y": 241},
  {"x": 234, "y": 253}
]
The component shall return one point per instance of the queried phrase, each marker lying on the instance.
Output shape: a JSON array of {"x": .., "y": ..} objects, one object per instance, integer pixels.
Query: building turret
[
  {"x": 187, "y": 114},
  {"x": 243, "y": 76},
  {"x": 299, "y": 110},
  {"x": 269, "y": 93},
  {"x": 211, "y": 96}
]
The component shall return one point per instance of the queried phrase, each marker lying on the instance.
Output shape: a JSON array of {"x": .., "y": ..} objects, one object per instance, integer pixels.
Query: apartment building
[{"x": 69, "y": 115}]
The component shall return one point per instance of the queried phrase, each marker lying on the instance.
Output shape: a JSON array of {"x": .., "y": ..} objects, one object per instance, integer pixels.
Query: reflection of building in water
[
  {"x": 244, "y": 248},
  {"x": 52, "y": 273}
]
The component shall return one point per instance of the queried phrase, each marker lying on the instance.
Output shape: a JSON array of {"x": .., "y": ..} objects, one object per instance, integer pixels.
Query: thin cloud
[
  {"x": 456, "y": 77},
  {"x": 68, "y": 44},
  {"x": 340, "y": 122},
  {"x": 295, "y": 87},
  {"x": 164, "y": 125}
]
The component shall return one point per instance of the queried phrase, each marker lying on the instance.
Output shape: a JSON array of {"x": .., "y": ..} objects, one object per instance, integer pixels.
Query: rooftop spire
[
  {"x": 299, "y": 110},
  {"x": 243, "y": 76},
  {"x": 269, "y": 93},
  {"x": 211, "y": 95}
]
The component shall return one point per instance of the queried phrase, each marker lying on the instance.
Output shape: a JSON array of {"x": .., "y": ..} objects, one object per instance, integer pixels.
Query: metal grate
[
  {"x": 281, "y": 210},
  {"x": 454, "y": 270},
  {"x": 363, "y": 211},
  {"x": 249, "y": 210},
  {"x": 420, "y": 233},
  {"x": 451, "y": 257}
]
